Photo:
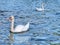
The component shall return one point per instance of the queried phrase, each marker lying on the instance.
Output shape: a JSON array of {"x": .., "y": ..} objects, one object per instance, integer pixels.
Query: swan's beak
[{"x": 8, "y": 19}]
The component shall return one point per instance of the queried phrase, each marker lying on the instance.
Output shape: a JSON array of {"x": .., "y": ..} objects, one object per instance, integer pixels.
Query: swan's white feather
[
  {"x": 21, "y": 28},
  {"x": 26, "y": 27},
  {"x": 40, "y": 9},
  {"x": 18, "y": 28}
]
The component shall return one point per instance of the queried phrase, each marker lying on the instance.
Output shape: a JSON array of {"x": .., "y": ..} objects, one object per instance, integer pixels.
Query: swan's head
[{"x": 11, "y": 18}]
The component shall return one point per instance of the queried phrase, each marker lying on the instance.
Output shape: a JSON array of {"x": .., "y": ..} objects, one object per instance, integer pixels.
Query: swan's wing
[
  {"x": 26, "y": 27},
  {"x": 19, "y": 28}
]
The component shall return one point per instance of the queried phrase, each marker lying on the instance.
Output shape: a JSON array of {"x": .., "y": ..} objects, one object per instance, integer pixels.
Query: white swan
[
  {"x": 19, "y": 28},
  {"x": 41, "y": 9}
]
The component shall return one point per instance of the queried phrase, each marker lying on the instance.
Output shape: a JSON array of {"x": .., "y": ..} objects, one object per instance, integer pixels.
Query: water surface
[{"x": 44, "y": 26}]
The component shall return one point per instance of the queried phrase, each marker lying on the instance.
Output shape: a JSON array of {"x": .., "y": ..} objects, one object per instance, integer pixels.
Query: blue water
[{"x": 44, "y": 26}]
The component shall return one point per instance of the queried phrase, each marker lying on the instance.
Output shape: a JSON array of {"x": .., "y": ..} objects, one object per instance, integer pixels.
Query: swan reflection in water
[
  {"x": 11, "y": 38},
  {"x": 19, "y": 39}
]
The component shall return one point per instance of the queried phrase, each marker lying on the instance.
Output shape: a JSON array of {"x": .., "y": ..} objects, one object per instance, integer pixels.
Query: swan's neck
[
  {"x": 12, "y": 26},
  {"x": 42, "y": 6}
]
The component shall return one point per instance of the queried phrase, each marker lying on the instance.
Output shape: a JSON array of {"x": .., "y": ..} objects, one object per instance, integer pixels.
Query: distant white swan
[
  {"x": 19, "y": 28},
  {"x": 42, "y": 8}
]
